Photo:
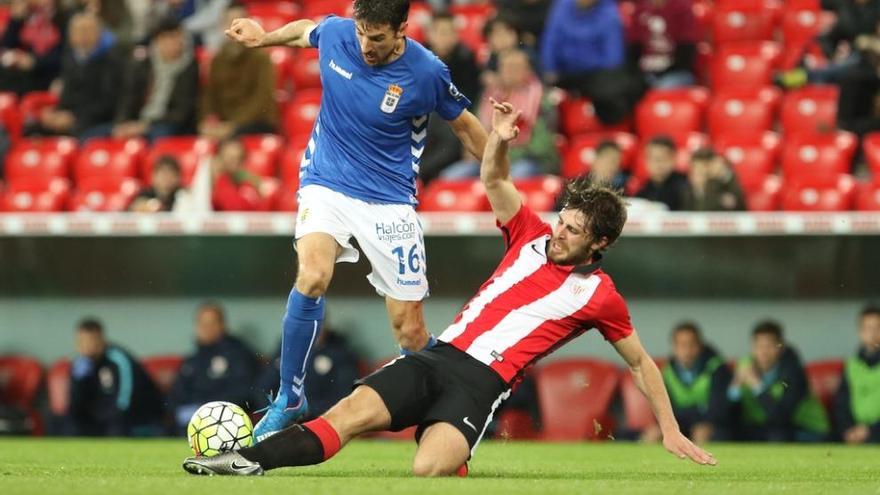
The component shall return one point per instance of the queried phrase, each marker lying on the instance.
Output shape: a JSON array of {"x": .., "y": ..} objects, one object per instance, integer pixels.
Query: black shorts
[{"x": 441, "y": 384}]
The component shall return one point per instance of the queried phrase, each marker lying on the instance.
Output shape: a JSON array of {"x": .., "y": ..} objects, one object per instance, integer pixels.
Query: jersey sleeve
[
  {"x": 614, "y": 321},
  {"x": 326, "y": 27},
  {"x": 450, "y": 102},
  {"x": 523, "y": 227}
]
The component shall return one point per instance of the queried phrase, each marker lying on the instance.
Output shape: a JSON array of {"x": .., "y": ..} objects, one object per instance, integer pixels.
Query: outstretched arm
[
  {"x": 469, "y": 130},
  {"x": 495, "y": 169},
  {"x": 650, "y": 382},
  {"x": 249, "y": 33}
]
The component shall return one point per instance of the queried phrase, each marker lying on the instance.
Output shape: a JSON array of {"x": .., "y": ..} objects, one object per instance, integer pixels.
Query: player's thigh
[
  {"x": 391, "y": 237},
  {"x": 407, "y": 388},
  {"x": 442, "y": 450},
  {"x": 363, "y": 410},
  {"x": 316, "y": 257}
]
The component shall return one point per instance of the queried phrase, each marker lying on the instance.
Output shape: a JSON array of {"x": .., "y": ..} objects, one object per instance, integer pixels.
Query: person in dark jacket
[
  {"x": 32, "y": 45},
  {"x": 857, "y": 403},
  {"x": 163, "y": 189},
  {"x": 222, "y": 368},
  {"x": 110, "y": 392},
  {"x": 770, "y": 387},
  {"x": 90, "y": 79},
  {"x": 713, "y": 184},
  {"x": 527, "y": 16},
  {"x": 663, "y": 42},
  {"x": 332, "y": 370},
  {"x": 665, "y": 185},
  {"x": 697, "y": 379},
  {"x": 160, "y": 91}
]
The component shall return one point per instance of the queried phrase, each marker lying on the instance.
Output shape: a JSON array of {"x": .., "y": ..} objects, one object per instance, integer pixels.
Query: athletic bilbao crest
[{"x": 391, "y": 99}]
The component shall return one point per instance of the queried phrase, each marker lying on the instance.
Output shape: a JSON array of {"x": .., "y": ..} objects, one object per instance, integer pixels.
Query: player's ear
[
  {"x": 401, "y": 31},
  {"x": 600, "y": 245}
]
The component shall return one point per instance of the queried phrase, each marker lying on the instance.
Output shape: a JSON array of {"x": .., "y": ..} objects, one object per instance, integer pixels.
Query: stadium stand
[{"x": 575, "y": 396}]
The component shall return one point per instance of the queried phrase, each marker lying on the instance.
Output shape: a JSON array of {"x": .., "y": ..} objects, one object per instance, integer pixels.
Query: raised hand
[
  {"x": 248, "y": 32},
  {"x": 504, "y": 119},
  {"x": 679, "y": 446}
]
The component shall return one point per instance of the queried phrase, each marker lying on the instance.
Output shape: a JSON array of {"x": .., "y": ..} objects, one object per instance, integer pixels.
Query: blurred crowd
[{"x": 770, "y": 394}]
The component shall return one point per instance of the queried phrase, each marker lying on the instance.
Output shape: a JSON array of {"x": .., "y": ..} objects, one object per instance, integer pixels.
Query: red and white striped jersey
[{"x": 532, "y": 306}]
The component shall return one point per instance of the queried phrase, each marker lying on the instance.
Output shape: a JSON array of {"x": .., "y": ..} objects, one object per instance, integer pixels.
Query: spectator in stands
[
  {"x": 443, "y": 41},
  {"x": 527, "y": 16},
  {"x": 332, "y": 370},
  {"x": 713, "y": 185},
  {"x": 235, "y": 188},
  {"x": 582, "y": 50},
  {"x": 857, "y": 404},
  {"x": 239, "y": 97},
  {"x": 90, "y": 79},
  {"x": 533, "y": 152},
  {"x": 222, "y": 368},
  {"x": 160, "y": 88},
  {"x": 697, "y": 380},
  {"x": 858, "y": 107},
  {"x": 770, "y": 386},
  {"x": 665, "y": 185},
  {"x": 163, "y": 189},
  {"x": 115, "y": 16},
  {"x": 607, "y": 166},
  {"x": 663, "y": 42},
  {"x": 32, "y": 45},
  {"x": 111, "y": 394}
]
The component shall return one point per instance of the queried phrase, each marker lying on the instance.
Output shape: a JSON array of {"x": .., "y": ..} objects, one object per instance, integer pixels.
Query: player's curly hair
[
  {"x": 602, "y": 206},
  {"x": 381, "y": 12}
]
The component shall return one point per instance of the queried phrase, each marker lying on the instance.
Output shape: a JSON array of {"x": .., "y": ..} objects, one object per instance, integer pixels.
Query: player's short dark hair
[
  {"x": 602, "y": 206},
  {"x": 703, "y": 155},
  {"x": 90, "y": 324},
  {"x": 869, "y": 310},
  {"x": 663, "y": 141},
  {"x": 768, "y": 327},
  {"x": 688, "y": 326},
  {"x": 167, "y": 162},
  {"x": 167, "y": 24},
  {"x": 607, "y": 144},
  {"x": 214, "y": 307},
  {"x": 381, "y": 12}
]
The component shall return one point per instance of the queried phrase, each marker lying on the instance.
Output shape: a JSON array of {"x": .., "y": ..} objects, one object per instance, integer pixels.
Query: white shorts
[{"x": 389, "y": 235}]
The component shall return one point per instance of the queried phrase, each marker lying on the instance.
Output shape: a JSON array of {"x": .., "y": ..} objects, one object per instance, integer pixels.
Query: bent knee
[
  {"x": 312, "y": 281},
  {"x": 430, "y": 469}
]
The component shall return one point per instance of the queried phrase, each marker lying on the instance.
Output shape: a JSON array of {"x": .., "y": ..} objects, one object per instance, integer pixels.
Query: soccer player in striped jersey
[
  {"x": 358, "y": 175},
  {"x": 547, "y": 290}
]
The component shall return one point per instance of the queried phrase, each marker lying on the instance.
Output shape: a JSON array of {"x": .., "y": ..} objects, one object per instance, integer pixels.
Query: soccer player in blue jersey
[{"x": 358, "y": 174}]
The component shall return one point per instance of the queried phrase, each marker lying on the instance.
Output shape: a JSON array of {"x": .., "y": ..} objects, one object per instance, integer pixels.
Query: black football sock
[{"x": 294, "y": 446}]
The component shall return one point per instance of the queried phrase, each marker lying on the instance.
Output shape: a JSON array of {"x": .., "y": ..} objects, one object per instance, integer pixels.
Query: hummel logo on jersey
[
  {"x": 339, "y": 70},
  {"x": 465, "y": 421}
]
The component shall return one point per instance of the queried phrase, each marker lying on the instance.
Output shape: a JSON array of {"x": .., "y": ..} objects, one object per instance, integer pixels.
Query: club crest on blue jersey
[{"x": 391, "y": 99}]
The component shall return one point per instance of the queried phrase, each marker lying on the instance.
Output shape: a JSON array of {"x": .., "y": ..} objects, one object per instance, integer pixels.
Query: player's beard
[{"x": 580, "y": 257}]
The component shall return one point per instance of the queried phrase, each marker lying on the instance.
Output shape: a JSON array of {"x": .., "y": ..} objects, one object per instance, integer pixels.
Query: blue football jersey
[{"x": 370, "y": 133}]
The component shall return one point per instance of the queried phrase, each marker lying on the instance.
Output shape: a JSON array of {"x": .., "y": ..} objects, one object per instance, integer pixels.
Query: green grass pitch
[{"x": 49, "y": 466}]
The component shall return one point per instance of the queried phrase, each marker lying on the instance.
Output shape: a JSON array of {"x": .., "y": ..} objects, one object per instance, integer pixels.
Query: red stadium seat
[
  {"x": 748, "y": 64},
  {"x": 291, "y": 160},
  {"x": 575, "y": 397},
  {"x": 578, "y": 116},
  {"x": 36, "y": 194},
  {"x": 58, "y": 387},
  {"x": 203, "y": 58},
  {"x": 43, "y": 157},
  {"x": 581, "y": 152},
  {"x": 673, "y": 111},
  {"x": 868, "y": 197},
  {"x": 109, "y": 193},
  {"x": 765, "y": 195},
  {"x": 20, "y": 379},
  {"x": 283, "y": 60},
  {"x": 824, "y": 378},
  {"x": 110, "y": 157},
  {"x": 33, "y": 103},
  {"x": 306, "y": 70},
  {"x": 810, "y": 109},
  {"x": 540, "y": 193},
  {"x": 871, "y": 147},
  {"x": 704, "y": 12},
  {"x": 820, "y": 193},
  {"x": 302, "y": 113},
  {"x": 469, "y": 22},
  {"x": 753, "y": 156},
  {"x": 419, "y": 19},
  {"x": 263, "y": 153},
  {"x": 800, "y": 26},
  {"x": 807, "y": 154},
  {"x": 748, "y": 111},
  {"x": 454, "y": 196},
  {"x": 189, "y": 152},
  {"x": 10, "y": 116},
  {"x": 686, "y": 144},
  {"x": 636, "y": 408},
  {"x": 513, "y": 424},
  {"x": 318, "y": 9},
  {"x": 163, "y": 370},
  {"x": 744, "y": 20},
  {"x": 273, "y": 15}
]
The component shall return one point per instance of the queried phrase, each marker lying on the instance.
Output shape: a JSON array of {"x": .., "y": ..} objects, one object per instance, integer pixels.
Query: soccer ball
[{"x": 218, "y": 427}]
